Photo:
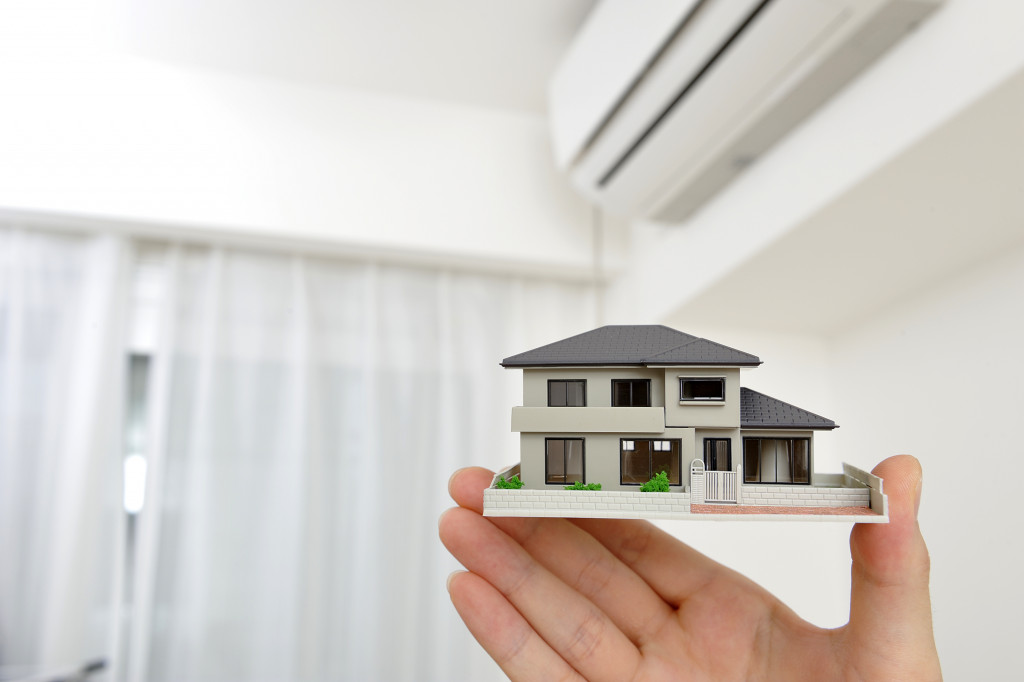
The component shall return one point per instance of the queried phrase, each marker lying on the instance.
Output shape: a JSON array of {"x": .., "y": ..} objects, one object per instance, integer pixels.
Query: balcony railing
[{"x": 588, "y": 419}]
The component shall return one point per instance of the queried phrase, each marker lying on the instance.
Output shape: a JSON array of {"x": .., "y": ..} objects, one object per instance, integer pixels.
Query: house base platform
[{"x": 859, "y": 500}]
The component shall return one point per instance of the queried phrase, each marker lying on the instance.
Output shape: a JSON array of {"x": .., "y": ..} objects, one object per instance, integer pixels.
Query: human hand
[{"x": 601, "y": 599}]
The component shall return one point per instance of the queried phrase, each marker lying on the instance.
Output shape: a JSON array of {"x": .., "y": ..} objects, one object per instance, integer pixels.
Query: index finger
[
  {"x": 571, "y": 624},
  {"x": 674, "y": 570}
]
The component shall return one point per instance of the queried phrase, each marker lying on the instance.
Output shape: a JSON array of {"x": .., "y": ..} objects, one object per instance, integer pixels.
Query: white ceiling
[
  {"x": 490, "y": 53},
  {"x": 949, "y": 203}
]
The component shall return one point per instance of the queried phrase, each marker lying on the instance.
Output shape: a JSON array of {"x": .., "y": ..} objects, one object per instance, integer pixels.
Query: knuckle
[
  {"x": 586, "y": 639},
  {"x": 635, "y": 545},
  {"x": 595, "y": 575},
  {"x": 514, "y": 649}
]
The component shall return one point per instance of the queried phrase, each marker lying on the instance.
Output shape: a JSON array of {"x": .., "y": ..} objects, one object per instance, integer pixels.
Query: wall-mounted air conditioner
[{"x": 659, "y": 104}]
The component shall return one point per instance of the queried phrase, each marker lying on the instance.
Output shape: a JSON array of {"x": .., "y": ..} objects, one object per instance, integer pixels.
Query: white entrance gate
[{"x": 720, "y": 486}]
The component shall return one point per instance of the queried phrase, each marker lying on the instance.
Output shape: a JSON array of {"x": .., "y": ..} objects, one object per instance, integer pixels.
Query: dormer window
[
  {"x": 631, "y": 392},
  {"x": 701, "y": 389},
  {"x": 567, "y": 393}
]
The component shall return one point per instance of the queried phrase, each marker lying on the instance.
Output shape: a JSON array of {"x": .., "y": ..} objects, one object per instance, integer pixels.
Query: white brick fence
[
  {"x": 804, "y": 496},
  {"x": 592, "y": 504}
]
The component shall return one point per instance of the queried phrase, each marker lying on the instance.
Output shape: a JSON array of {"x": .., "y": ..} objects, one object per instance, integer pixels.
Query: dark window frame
[
  {"x": 682, "y": 380},
  {"x": 583, "y": 461},
  {"x": 647, "y": 382},
  {"x": 678, "y": 442},
  {"x": 810, "y": 460},
  {"x": 568, "y": 381},
  {"x": 728, "y": 454}
]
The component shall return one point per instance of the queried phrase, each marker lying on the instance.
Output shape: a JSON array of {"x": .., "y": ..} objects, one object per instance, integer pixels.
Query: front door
[
  {"x": 718, "y": 454},
  {"x": 719, "y": 478}
]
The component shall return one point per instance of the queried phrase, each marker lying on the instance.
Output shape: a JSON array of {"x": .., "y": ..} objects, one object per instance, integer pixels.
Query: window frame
[
  {"x": 647, "y": 382},
  {"x": 810, "y": 460},
  {"x": 650, "y": 457},
  {"x": 567, "y": 381},
  {"x": 683, "y": 379},
  {"x": 583, "y": 462}
]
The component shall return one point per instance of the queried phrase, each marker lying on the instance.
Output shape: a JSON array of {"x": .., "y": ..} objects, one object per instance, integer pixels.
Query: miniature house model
[{"x": 620, "y": 404}]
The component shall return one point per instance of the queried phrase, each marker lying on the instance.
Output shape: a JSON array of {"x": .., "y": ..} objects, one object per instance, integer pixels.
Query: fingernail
[
  {"x": 448, "y": 582},
  {"x": 917, "y": 495}
]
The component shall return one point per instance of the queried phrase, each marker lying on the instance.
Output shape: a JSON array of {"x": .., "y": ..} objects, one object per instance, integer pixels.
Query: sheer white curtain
[
  {"x": 305, "y": 417},
  {"x": 61, "y": 358}
]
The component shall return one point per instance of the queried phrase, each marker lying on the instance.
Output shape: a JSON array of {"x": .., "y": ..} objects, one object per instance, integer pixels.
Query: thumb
[{"x": 890, "y": 608}]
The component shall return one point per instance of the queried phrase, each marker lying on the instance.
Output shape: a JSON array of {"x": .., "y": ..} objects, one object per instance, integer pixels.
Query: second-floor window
[
  {"x": 700, "y": 388},
  {"x": 567, "y": 393},
  {"x": 631, "y": 392}
]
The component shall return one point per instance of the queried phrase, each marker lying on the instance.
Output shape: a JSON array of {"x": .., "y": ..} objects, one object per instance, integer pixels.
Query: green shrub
[
  {"x": 513, "y": 483},
  {"x": 658, "y": 484},
  {"x": 578, "y": 485}
]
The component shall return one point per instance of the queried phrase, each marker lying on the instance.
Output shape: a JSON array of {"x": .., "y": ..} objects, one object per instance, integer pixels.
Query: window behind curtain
[
  {"x": 564, "y": 460},
  {"x": 777, "y": 460}
]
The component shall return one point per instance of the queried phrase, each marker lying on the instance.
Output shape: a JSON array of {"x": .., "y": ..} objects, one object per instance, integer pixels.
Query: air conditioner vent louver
[{"x": 659, "y": 105}]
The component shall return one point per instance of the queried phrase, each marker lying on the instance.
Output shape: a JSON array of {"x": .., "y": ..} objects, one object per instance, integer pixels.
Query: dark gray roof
[
  {"x": 632, "y": 345},
  {"x": 758, "y": 410}
]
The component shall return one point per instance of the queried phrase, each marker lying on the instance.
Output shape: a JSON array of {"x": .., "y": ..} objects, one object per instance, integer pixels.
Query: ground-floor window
[
  {"x": 640, "y": 460},
  {"x": 777, "y": 460},
  {"x": 718, "y": 454},
  {"x": 564, "y": 460}
]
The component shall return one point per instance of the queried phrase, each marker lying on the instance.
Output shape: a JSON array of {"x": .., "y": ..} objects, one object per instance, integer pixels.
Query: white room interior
[{"x": 874, "y": 259}]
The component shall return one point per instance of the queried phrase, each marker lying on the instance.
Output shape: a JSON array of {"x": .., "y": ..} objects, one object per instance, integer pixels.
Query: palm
[{"x": 620, "y": 600}]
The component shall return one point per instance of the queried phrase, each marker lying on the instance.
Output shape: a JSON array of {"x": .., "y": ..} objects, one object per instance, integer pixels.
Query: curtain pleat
[
  {"x": 311, "y": 412},
  {"x": 62, "y": 353},
  {"x": 302, "y": 418}
]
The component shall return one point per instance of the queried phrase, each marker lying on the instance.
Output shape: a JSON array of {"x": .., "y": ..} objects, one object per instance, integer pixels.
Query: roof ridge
[
  {"x": 694, "y": 339},
  {"x": 735, "y": 350}
]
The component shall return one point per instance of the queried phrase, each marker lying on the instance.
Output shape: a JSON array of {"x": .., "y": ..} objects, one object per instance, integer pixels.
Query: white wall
[
  {"x": 940, "y": 376},
  {"x": 86, "y": 130}
]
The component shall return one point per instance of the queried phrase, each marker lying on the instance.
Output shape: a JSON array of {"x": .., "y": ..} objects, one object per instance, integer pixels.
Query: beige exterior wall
[
  {"x": 601, "y": 426},
  {"x": 599, "y": 384},
  {"x": 600, "y": 458},
  {"x": 725, "y": 414}
]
